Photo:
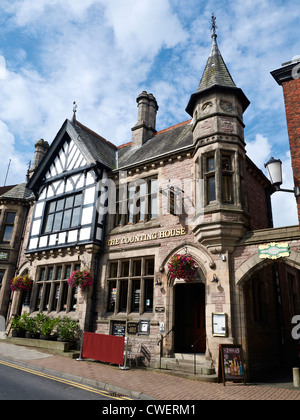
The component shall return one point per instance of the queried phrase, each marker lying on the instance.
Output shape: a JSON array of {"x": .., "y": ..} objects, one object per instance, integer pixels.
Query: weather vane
[
  {"x": 74, "y": 110},
  {"x": 214, "y": 26}
]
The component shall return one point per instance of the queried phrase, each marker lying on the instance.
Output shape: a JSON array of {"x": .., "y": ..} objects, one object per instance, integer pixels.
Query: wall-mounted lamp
[
  {"x": 215, "y": 279},
  {"x": 274, "y": 167},
  {"x": 158, "y": 282}
]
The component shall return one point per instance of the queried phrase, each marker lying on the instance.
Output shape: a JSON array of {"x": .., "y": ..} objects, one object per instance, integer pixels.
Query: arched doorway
[
  {"x": 270, "y": 292},
  {"x": 189, "y": 328}
]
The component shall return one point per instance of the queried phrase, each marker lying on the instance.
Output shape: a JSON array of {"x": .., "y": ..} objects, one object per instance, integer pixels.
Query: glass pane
[
  {"x": 227, "y": 188},
  {"x": 148, "y": 304},
  {"x": 211, "y": 193},
  {"x": 136, "y": 295},
  {"x": 137, "y": 268},
  {"x": 226, "y": 163},
  {"x": 125, "y": 269},
  {"x": 67, "y": 219},
  {"x": 46, "y": 297},
  {"x": 68, "y": 271},
  {"x": 153, "y": 206},
  {"x": 76, "y": 217},
  {"x": 153, "y": 186},
  {"x": 142, "y": 209},
  {"x": 211, "y": 164},
  {"x": 60, "y": 205},
  {"x": 57, "y": 221},
  {"x": 78, "y": 200},
  {"x": 51, "y": 208},
  {"x": 39, "y": 297},
  {"x": 10, "y": 217},
  {"x": 123, "y": 296},
  {"x": 74, "y": 299},
  {"x": 112, "y": 293},
  {"x": 50, "y": 273},
  {"x": 8, "y": 233},
  {"x": 69, "y": 202},
  {"x": 1, "y": 276},
  {"x": 59, "y": 273},
  {"x": 149, "y": 267},
  {"x": 49, "y": 222},
  {"x": 42, "y": 274},
  {"x": 55, "y": 297},
  {"x": 113, "y": 270},
  {"x": 63, "y": 303}
]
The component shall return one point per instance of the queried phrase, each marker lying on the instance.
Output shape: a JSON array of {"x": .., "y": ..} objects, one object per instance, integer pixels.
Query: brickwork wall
[{"x": 291, "y": 92}]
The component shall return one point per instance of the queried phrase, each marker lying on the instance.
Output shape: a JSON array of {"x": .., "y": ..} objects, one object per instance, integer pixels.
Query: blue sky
[{"x": 103, "y": 53}]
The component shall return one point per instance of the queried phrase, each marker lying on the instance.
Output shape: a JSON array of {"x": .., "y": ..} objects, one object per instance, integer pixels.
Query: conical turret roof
[
  {"x": 216, "y": 71},
  {"x": 216, "y": 76}
]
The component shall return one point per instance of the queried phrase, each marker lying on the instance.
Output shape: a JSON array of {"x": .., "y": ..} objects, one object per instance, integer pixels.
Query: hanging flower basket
[
  {"x": 80, "y": 278},
  {"x": 182, "y": 267},
  {"x": 21, "y": 283}
]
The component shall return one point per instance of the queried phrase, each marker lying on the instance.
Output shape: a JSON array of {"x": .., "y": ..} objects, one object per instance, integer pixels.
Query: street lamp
[{"x": 274, "y": 167}]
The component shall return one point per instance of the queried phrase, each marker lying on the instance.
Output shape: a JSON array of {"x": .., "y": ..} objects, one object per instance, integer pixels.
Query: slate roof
[
  {"x": 216, "y": 71},
  {"x": 99, "y": 149},
  {"x": 17, "y": 192},
  {"x": 162, "y": 143}
]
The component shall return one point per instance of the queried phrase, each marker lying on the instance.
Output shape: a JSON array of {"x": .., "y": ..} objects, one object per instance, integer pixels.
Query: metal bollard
[{"x": 296, "y": 377}]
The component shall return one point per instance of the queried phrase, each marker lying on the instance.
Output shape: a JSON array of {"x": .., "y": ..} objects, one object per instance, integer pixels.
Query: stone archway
[
  {"x": 263, "y": 314},
  {"x": 187, "y": 303}
]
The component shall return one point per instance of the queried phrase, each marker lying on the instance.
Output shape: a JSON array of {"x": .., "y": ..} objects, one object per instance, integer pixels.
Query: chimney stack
[
  {"x": 146, "y": 124},
  {"x": 41, "y": 148}
]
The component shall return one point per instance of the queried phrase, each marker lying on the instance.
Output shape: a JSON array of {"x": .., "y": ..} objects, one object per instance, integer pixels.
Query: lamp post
[{"x": 274, "y": 167}]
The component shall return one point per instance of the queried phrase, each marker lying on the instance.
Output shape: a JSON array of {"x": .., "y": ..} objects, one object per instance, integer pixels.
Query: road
[{"x": 20, "y": 383}]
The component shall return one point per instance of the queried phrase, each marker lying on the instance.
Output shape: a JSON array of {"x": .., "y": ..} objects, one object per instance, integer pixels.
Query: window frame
[
  {"x": 130, "y": 292},
  {"x": 51, "y": 214},
  {"x": 9, "y": 224},
  {"x": 53, "y": 294},
  {"x": 128, "y": 206}
]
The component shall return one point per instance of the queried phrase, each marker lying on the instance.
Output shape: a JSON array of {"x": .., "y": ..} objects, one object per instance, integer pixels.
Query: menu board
[
  {"x": 231, "y": 366},
  {"x": 118, "y": 328}
]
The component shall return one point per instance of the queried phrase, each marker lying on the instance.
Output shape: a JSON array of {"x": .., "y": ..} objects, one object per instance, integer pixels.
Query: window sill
[{"x": 136, "y": 227}]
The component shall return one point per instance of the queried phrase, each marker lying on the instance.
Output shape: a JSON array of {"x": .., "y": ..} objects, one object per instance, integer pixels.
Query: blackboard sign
[
  {"x": 118, "y": 328},
  {"x": 231, "y": 365}
]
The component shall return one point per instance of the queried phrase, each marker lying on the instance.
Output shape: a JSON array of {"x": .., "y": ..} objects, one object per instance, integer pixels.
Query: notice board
[{"x": 231, "y": 364}]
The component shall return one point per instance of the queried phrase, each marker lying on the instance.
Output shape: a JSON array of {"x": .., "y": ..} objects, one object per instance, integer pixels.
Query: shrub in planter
[
  {"x": 47, "y": 327},
  {"x": 31, "y": 326},
  {"x": 67, "y": 329},
  {"x": 18, "y": 326}
]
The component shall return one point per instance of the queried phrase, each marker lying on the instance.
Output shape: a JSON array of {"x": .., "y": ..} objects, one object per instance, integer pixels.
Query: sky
[{"x": 104, "y": 53}]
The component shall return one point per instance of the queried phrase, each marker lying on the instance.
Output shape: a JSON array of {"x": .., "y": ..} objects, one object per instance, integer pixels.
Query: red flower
[
  {"x": 182, "y": 267},
  {"x": 21, "y": 283},
  {"x": 80, "y": 278}
]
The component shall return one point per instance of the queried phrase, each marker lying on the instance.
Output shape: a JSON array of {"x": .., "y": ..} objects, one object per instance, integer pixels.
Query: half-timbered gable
[{"x": 66, "y": 189}]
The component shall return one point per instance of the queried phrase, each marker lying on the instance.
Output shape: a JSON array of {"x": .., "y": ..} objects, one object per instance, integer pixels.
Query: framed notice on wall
[
  {"x": 231, "y": 364},
  {"x": 219, "y": 324}
]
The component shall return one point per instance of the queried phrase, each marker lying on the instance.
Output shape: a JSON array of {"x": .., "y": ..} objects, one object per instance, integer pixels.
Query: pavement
[{"x": 144, "y": 384}]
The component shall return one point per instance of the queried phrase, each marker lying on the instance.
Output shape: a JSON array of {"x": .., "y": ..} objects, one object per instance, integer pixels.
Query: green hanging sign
[{"x": 274, "y": 250}]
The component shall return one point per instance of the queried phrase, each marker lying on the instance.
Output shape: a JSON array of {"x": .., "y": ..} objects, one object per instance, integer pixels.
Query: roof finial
[
  {"x": 214, "y": 26},
  {"x": 74, "y": 111}
]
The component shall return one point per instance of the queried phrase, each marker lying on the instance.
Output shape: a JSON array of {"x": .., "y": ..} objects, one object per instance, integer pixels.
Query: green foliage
[{"x": 67, "y": 329}]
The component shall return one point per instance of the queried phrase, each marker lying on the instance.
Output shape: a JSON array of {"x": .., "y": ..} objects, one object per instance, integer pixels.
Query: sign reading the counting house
[{"x": 144, "y": 237}]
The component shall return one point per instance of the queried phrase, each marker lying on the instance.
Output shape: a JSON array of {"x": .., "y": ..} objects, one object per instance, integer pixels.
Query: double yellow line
[{"x": 64, "y": 381}]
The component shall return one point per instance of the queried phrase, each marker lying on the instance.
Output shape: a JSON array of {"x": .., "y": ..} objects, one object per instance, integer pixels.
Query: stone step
[{"x": 185, "y": 363}]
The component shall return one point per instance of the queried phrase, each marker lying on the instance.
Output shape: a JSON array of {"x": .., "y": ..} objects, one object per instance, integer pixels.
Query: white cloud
[{"x": 259, "y": 150}]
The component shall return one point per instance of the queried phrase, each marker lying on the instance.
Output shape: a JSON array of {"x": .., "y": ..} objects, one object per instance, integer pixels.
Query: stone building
[{"x": 124, "y": 212}]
